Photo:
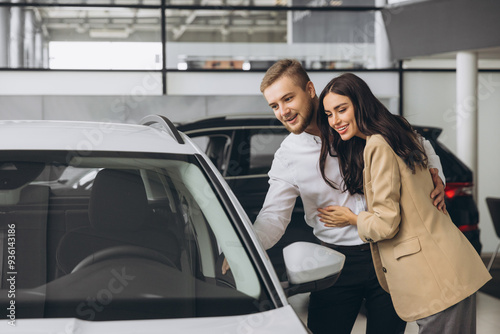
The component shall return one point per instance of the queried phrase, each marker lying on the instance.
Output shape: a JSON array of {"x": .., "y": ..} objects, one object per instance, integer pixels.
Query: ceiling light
[{"x": 109, "y": 33}]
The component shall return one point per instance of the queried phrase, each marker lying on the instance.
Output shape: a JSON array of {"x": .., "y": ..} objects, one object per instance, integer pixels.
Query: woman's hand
[
  {"x": 437, "y": 194},
  {"x": 337, "y": 216}
]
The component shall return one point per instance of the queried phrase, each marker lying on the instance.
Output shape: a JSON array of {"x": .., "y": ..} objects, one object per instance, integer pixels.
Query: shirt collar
[{"x": 311, "y": 137}]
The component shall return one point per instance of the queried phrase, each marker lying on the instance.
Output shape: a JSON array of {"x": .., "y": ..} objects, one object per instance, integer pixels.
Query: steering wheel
[
  {"x": 123, "y": 251},
  {"x": 225, "y": 283}
]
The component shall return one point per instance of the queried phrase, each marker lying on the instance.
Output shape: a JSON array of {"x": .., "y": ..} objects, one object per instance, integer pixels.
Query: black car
[
  {"x": 459, "y": 187},
  {"x": 243, "y": 147}
]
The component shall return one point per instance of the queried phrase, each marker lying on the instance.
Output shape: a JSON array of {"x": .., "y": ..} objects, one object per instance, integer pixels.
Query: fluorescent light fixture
[{"x": 109, "y": 33}]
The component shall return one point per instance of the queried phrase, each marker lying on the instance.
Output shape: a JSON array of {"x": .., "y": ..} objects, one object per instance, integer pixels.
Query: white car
[{"x": 121, "y": 228}]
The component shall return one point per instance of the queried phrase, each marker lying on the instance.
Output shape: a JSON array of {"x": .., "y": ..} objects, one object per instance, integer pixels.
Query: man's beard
[{"x": 306, "y": 117}]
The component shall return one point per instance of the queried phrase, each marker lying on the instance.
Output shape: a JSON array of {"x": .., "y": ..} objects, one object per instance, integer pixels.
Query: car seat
[{"x": 118, "y": 216}]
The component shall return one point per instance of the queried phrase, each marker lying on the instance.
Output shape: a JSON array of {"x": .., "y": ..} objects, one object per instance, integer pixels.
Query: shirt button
[{"x": 384, "y": 270}]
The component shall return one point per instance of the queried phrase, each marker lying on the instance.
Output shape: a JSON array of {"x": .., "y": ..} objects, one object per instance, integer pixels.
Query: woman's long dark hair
[{"x": 372, "y": 117}]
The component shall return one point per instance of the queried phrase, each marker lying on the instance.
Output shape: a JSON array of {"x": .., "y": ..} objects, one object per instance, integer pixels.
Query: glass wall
[
  {"x": 249, "y": 39},
  {"x": 240, "y": 35}
]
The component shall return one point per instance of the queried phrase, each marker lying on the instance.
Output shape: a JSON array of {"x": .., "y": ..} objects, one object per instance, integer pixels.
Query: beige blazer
[{"x": 421, "y": 258}]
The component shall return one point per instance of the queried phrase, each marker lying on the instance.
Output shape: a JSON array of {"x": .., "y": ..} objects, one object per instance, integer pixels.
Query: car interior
[{"x": 115, "y": 237}]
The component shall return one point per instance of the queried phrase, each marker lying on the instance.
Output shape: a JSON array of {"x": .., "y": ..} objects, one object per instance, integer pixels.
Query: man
[{"x": 295, "y": 172}]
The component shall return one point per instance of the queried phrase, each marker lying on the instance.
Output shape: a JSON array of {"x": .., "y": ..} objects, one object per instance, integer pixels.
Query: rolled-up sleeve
[
  {"x": 383, "y": 218},
  {"x": 433, "y": 159}
]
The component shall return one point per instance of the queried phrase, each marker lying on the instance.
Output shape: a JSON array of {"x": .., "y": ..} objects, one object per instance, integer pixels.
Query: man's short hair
[{"x": 285, "y": 67}]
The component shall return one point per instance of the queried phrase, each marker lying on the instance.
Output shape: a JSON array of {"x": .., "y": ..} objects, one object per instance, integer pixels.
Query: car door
[{"x": 244, "y": 156}]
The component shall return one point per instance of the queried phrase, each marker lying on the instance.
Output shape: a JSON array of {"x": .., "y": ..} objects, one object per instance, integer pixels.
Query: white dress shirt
[{"x": 295, "y": 172}]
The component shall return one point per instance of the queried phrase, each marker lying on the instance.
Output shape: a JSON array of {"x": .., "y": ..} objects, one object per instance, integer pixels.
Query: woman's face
[{"x": 340, "y": 113}]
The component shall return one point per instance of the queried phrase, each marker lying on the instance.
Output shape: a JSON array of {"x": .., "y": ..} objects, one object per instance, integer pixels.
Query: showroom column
[
  {"x": 45, "y": 53},
  {"x": 16, "y": 36},
  {"x": 4, "y": 36},
  {"x": 39, "y": 48},
  {"x": 382, "y": 48},
  {"x": 29, "y": 38},
  {"x": 467, "y": 80}
]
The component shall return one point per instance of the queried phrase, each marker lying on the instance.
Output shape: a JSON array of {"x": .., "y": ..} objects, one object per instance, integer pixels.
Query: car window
[
  {"x": 263, "y": 145},
  {"x": 242, "y": 152},
  {"x": 114, "y": 236},
  {"x": 201, "y": 142},
  {"x": 216, "y": 147}
]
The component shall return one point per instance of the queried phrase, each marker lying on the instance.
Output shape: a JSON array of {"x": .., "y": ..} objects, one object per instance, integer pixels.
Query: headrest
[{"x": 118, "y": 200}]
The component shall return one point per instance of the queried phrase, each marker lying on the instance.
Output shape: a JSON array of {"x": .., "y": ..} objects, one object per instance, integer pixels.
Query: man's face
[{"x": 291, "y": 104}]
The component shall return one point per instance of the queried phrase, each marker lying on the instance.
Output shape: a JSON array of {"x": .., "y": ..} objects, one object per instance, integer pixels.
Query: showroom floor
[{"x": 488, "y": 311}]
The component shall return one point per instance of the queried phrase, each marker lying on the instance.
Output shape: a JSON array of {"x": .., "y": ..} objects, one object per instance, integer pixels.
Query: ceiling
[{"x": 83, "y": 23}]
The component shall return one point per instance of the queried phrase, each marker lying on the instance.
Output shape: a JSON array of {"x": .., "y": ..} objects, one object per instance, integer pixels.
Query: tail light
[
  {"x": 468, "y": 228},
  {"x": 454, "y": 189},
  {"x": 457, "y": 189}
]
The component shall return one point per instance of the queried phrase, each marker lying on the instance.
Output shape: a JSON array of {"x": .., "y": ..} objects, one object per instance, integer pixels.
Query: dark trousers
[{"x": 334, "y": 310}]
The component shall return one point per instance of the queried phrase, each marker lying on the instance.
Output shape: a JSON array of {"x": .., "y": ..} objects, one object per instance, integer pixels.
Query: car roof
[
  {"x": 90, "y": 136},
  {"x": 232, "y": 120}
]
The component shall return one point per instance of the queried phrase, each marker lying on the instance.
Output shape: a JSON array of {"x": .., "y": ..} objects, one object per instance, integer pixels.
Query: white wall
[
  {"x": 430, "y": 99},
  {"x": 79, "y": 83},
  {"x": 126, "y": 108},
  {"x": 147, "y": 83},
  {"x": 489, "y": 152}
]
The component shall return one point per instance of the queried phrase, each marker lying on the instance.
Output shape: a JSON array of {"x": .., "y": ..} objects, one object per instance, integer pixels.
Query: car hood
[{"x": 281, "y": 320}]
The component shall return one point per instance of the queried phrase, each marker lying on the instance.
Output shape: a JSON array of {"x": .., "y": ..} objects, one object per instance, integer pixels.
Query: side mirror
[{"x": 311, "y": 267}]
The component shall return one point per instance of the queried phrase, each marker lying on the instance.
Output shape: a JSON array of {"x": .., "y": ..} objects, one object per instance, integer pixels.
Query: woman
[{"x": 427, "y": 265}]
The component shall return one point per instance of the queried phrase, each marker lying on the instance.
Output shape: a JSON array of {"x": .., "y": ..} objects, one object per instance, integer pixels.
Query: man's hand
[
  {"x": 225, "y": 266},
  {"x": 437, "y": 194},
  {"x": 337, "y": 216}
]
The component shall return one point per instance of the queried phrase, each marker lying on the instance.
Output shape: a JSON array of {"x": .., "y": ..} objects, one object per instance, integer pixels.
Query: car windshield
[{"x": 117, "y": 236}]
